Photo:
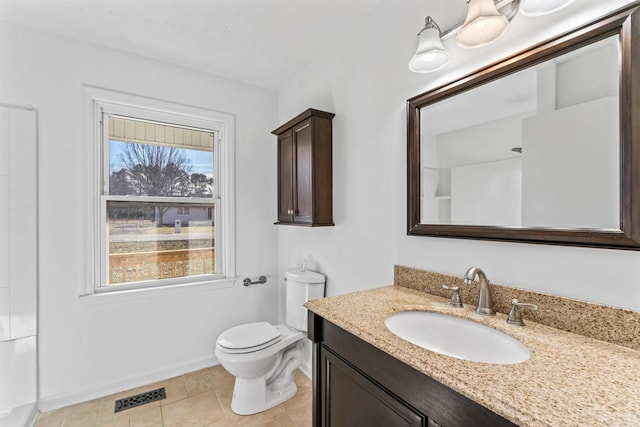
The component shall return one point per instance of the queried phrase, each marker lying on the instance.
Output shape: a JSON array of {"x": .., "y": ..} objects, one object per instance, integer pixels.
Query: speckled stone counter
[
  {"x": 614, "y": 325},
  {"x": 569, "y": 380}
]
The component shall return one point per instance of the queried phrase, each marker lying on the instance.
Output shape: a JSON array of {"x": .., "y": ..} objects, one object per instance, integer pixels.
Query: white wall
[
  {"x": 487, "y": 193},
  {"x": 589, "y": 133},
  {"x": 459, "y": 147},
  {"x": 366, "y": 82},
  {"x": 95, "y": 345}
]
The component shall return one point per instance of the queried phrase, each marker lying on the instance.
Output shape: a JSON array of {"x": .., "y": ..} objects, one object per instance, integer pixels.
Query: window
[{"x": 160, "y": 208}]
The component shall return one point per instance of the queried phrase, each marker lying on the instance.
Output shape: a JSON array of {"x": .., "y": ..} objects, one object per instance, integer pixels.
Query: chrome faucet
[{"x": 485, "y": 305}]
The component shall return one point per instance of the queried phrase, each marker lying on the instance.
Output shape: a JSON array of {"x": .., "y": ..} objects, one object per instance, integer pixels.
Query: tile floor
[{"x": 197, "y": 399}]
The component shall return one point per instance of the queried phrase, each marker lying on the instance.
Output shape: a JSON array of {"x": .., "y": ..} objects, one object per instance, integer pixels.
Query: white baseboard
[
  {"x": 49, "y": 403},
  {"x": 21, "y": 416},
  {"x": 305, "y": 368}
]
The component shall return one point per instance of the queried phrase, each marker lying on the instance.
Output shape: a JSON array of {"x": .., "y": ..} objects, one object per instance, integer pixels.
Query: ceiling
[
  {"x": 263, "y": 43},
  {"x": 259, "y": 42}
]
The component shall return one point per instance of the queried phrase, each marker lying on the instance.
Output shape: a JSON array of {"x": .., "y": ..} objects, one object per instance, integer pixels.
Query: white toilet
[{"x": 263, "y": 357}]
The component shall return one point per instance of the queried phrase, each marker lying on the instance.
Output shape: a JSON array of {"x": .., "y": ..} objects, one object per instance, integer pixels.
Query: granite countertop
[{"x": 569, "y": 380}]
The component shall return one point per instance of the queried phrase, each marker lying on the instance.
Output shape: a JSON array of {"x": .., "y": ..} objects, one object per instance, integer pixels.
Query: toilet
[{"x": 263, "y": 357}]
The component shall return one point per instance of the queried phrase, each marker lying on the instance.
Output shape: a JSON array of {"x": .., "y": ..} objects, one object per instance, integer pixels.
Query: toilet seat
[{"x": 249, "y": 337}]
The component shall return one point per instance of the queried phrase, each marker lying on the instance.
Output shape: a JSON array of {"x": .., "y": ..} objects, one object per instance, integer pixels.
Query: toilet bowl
[
  {"x": 264, "y": 372},
  {"x": 263, "y": 357}
]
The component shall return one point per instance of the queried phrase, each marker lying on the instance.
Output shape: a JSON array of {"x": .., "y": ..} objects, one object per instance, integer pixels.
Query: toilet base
[{"x": 251, "y": 396}]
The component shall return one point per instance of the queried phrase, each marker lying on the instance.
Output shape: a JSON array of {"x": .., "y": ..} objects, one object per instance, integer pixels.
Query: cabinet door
[
  {"x": 303, "y": 183},
  {"x": 351, "y": 400},
  {"x": 285, "y": 177}
]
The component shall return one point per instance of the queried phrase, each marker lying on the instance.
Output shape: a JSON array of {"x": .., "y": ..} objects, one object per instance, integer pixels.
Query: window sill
[{"x": 123, "y": 295}]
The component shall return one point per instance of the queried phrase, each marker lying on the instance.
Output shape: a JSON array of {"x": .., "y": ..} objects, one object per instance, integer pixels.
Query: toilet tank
[{"x": 302, "y": 286}]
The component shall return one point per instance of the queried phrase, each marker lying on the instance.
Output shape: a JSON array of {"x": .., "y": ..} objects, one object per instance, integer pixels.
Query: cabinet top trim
[{"x": 311, "y": 112}]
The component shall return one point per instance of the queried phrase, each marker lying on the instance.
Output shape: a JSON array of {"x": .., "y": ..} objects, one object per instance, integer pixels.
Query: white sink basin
[{"x": 457, "y": 337}]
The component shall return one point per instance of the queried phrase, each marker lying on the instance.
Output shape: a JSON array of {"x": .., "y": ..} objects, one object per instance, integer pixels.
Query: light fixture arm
[
  {"x": 501, "y": 5},
  {"x": 428, "y": 24}
]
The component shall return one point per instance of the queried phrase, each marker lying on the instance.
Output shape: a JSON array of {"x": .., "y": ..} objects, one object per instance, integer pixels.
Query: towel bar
[{"x": 247, "y": 281}]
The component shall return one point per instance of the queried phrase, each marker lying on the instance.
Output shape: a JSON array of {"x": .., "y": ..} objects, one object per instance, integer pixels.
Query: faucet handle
[
  {"x": 455, "y": 295},
  {"x": 515, "y": 317}
]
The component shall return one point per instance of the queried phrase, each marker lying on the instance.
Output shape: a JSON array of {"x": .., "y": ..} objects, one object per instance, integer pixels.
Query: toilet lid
[{"x": 249, "y": 335}]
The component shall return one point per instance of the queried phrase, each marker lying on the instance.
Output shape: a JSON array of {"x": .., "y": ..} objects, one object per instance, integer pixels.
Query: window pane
[
  {"x": 156, "y": 241},
  {"x": 156, "y": 159}
]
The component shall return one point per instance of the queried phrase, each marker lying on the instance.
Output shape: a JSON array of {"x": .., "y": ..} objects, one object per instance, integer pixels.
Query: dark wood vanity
[
  {"x": 305, "y": 187},
  {"x": 356, "y": 384},
  {"x": 366, "y": 375}
]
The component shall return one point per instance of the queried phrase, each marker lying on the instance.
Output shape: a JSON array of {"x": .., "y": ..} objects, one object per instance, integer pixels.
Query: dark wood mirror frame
[{"x": 625, "y": 24}]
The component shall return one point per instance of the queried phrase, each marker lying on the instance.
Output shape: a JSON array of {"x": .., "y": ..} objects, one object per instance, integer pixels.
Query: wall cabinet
[
  {"x": 356, "y": 384},
  {"x": 305, "y": 181}
]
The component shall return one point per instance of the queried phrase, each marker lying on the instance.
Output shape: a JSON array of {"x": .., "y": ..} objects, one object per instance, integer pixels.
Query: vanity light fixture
[
  {"x": 431, "y": 55},
  {"x": 484, "y": 24},
  {"x": 486, "y": 21},
  {"x": 542, "y": 7}
]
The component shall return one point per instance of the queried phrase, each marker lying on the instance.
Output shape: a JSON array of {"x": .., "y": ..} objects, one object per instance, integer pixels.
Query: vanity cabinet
[
  {"x": 305, "y": 186},
  {"x": 356, "y": 384}
]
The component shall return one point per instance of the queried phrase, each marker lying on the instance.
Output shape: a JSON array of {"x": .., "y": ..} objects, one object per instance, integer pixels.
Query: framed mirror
[{"x": 542, "y": 147}]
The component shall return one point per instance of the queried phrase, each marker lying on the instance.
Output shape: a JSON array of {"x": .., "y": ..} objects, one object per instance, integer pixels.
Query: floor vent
[{"x": 140, "y": 399}]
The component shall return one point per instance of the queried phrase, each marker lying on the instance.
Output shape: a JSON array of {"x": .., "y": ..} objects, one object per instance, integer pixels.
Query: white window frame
[{"x": 101, "y": 102}]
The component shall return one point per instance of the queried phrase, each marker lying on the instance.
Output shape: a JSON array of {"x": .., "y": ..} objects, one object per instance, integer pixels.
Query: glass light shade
[
  {"x": 484, "y": 25},
  {"x": 542, "y": 7},
  {"x": 430, "y": 55}
]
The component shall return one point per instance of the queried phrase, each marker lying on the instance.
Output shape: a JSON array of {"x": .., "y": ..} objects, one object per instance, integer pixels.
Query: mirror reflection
[{"x": 537, "y": 148}]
